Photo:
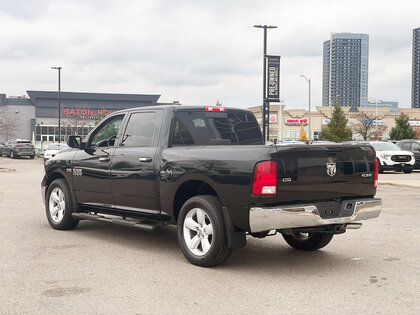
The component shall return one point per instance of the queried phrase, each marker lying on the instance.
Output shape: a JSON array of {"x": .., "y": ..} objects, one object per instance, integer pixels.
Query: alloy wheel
[
  {"x": 57, "y": 205},
  {"x": 198, "y": 231}
]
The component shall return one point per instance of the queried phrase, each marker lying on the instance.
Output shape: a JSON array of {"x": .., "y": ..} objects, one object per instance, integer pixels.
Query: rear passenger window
[
  {"x": 140, "y": 130},
  {"x": 415, "y": 146}
]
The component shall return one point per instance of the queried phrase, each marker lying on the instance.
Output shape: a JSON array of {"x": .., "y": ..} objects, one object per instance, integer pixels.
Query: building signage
[
  {"x": 375, "y": 122},
  {"x": 273, "y": 118},
  {"x": 414, "y": 123},
  {"x": 379, "y": 122},
  {"x": 85, "y": 112},
  {"x": 296, "y": 121},
  {"x": 273, "y": 78},
  {"x": 326, "y": 121}
]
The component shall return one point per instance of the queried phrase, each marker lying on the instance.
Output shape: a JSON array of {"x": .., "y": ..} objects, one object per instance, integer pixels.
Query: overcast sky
[{"x": 198, "y": 52}]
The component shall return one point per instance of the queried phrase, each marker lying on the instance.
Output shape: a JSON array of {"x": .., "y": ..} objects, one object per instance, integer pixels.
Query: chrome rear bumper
[{"x": 307, "y": 215}]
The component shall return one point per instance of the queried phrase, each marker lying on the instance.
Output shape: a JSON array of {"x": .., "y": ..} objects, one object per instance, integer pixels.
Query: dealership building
[{"x": 36, "y": 115}]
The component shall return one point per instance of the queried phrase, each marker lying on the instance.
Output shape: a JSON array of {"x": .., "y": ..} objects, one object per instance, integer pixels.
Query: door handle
[
  {"x": 145, "y": 159},
  {"x": 104, "y": 159}
]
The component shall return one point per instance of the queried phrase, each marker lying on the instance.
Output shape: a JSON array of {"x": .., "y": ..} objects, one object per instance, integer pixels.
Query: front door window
[{"x": 105, "y": 136}]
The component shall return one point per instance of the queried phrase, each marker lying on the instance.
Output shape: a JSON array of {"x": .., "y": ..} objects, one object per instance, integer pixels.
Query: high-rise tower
[{"x": 345, "y": 70}]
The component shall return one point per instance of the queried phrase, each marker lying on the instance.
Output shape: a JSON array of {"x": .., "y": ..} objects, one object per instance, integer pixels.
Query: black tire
[
  {"x": 219, "y": 250},
  {"x": 308, "y": 241},
  {"x": 32, "y": 157},
  {"x": 408, "y": 171},
  {"x": 67, "y": 222},
  {"x": 12, "y": 155}
]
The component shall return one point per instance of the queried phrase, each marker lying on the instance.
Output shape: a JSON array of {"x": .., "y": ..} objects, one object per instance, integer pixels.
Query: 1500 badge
[{"x": 77, "y": 172}]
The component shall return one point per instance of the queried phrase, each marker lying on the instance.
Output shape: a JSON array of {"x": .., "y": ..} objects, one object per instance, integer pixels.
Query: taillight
[
  {"x": 375, "y": 172},
  {"x": 265, "y": 178},
  {"x": 18, "y": 145},
  {"x": 214, "y": 109}
]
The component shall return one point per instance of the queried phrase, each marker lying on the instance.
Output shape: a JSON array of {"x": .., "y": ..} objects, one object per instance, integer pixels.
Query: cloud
[{"x": 197, "y": 51}]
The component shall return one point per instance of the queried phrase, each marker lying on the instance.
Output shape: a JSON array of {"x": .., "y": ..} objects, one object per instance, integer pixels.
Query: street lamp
[
  {"x": 310, "y": 120},
  {"x": 266, "y": 104},
  {"x": 376, "y": 114},
  {"x": 59, "y": 102}
]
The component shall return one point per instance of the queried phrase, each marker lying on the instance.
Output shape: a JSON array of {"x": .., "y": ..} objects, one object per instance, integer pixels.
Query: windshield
[
  {"x": 385, "y": 146},
  {"x": 56, "y": 146},
  {"x": 214, "y": 128}
]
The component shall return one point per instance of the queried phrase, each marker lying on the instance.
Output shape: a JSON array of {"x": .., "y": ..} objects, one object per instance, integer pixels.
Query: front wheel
[
  {"x": 13, "y": 155},
  {"x": 59, "y": 206},
  {"x": 408, "y": 171},
  {"x": 308, "y": 241},
  {"x": 201, "y": 231}
]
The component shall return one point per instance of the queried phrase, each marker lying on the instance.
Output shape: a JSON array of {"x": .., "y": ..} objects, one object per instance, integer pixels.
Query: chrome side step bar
[{"x": 142, "y": 225}]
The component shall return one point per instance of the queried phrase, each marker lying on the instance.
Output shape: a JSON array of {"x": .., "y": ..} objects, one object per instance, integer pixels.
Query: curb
[{"x": 400, "y": 185}]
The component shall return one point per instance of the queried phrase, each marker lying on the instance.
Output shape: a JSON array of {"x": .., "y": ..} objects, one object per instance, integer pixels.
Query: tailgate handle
[
  {"x": 145, "y": 159},
  {"x": 332, "y": 153}
]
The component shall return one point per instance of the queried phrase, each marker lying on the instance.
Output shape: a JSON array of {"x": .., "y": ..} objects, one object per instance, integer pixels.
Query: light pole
[
  {"x": 266, "y": 104},
  {"x": 310, "y": 120},
  {"x": 376, "y": 116},
  {"x": 59, "y": 102}
]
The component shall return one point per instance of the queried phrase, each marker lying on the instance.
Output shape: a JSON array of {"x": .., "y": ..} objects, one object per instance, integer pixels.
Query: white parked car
[
  {"x": 391, "y": 157},
  {"x": 53, "y": 149}
]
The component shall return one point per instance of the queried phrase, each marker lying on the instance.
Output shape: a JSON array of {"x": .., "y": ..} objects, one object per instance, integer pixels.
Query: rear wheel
[
  {"x": 308, "y": 241},
  {"x": 408, "y": 171},
  {"x": 201, "y": 231},
  {"x": 59, "y": 206}
]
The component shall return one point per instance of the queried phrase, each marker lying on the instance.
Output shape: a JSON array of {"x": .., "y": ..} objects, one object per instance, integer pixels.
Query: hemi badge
[
  {"x": 68, "y": 170},
  {"x": 286, "y": 180}
]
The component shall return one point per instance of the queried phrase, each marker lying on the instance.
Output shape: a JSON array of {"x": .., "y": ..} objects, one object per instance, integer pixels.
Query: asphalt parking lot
[{"x": 107, "y": 269}]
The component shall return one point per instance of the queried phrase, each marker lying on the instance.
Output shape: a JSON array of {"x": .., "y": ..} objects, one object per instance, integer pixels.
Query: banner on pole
[{"x": 273, "y": 78}]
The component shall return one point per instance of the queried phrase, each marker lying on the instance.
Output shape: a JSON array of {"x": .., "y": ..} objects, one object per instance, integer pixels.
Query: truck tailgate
[{"x": 324, "y": 172}]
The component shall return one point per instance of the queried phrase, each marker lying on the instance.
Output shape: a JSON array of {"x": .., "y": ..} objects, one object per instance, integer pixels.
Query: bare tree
[
  {"x": 365, "y": 126},
  {"x": 8, "y": 124}
]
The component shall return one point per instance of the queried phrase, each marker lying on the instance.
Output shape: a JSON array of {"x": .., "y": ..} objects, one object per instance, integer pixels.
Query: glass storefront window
[{"x": 50, "y": 133}]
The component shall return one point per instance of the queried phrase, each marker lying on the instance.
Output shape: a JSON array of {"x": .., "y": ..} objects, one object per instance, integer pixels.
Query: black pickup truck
[{"x": 207, "y": 170}]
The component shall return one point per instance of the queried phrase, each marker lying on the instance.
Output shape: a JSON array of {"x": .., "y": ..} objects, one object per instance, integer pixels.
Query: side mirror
[{"x": 76, "y": 142}]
